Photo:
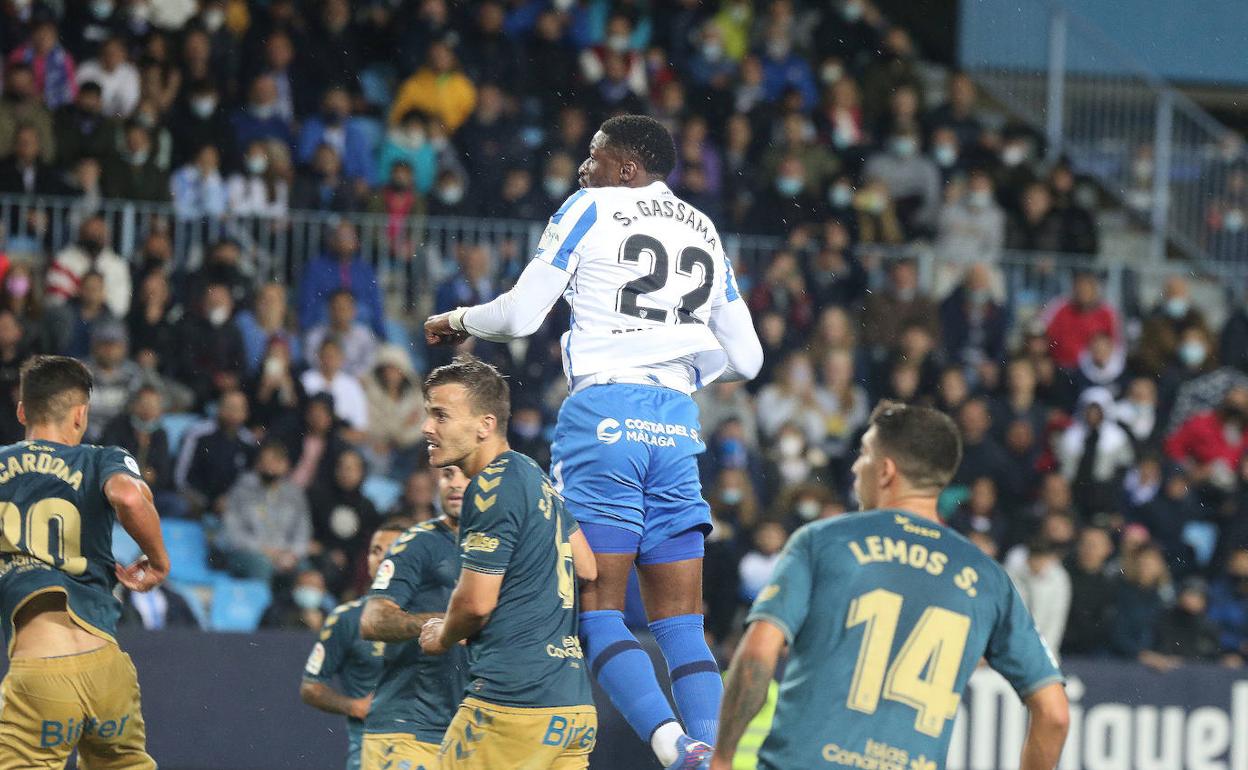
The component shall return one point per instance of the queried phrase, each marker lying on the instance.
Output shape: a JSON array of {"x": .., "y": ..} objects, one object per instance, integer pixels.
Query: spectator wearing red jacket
[
  {"x": 1071, "y": 323},
  {"x": 1210, "y": 444}
]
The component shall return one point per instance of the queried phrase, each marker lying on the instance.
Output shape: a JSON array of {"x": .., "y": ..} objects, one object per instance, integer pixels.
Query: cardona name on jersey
[{"x": 671, "y": 209}]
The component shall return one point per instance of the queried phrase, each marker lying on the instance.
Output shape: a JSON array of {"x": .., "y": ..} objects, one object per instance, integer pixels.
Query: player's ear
[
  {"x": 488, "y": 424},
  {"x": 888, "y": 472},
  {"x": 21, "y": 412},
  {"x": 628, "y": 171}
]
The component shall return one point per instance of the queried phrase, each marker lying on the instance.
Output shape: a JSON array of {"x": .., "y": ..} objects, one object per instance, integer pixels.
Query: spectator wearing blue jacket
[
  {"x": 409, "y": 141},
  {"x": 1228, "y": 605},
  {"x": 261, "y": 118},
  {"x": 341, "y": 268},
  {"x": 785, "y": 70},
  {"x": 353, "y": 138}
]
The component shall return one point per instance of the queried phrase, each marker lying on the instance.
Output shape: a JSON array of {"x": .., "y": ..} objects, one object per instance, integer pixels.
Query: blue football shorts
[{"x": 625, "y": 460}]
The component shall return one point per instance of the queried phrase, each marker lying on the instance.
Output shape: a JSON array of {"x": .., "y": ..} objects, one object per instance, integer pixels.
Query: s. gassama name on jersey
[
  {"x": 671, "y": 209},
  {"x": 643, "y": 432}
]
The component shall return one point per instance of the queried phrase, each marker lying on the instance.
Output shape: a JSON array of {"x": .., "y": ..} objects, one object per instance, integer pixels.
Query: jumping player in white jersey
[{"x": 656, "y": 314}]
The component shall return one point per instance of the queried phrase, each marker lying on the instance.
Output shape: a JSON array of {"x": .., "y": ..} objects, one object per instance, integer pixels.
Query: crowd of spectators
[{"x": 1104, "y": 466}]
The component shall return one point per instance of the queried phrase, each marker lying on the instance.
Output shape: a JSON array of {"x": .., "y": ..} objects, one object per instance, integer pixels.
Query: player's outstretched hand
[
  {"x": 438, "y": 331},
  {"x": 431, "y": 637},
  {"x": 141, "y": 576}
]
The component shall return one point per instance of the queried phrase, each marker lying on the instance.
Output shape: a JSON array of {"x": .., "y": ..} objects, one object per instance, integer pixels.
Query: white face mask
[
  {"x": 831, "y": 73},
  {"x": 1013, "y": 155},
  {"x": 617, "y": 43},
  {"x": 218, "y": 315},
  {"x": 980, "y": 199},
  {"x": 203, "y": 106},
  {"x": 264, "y": 111},
  {"x": 945, "y": 155},
  {"x": 257, "y": 164},
  {"x": 807, "y": 509},
  {"x": 1233, "y": 221},
  {"x": 556, "y": 187},
  {"x": 213, "y": 19},
  {"x": 790, "y": 446},
  {"x": 841, "y": 195},
  {"x": 451, "y": 195}
]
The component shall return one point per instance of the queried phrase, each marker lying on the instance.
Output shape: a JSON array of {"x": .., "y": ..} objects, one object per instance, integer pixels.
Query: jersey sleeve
[
  {"x": 114, "y": 460},
  {"x": 1016, "y": 650},
  {"x": 398, "y": 577},
  {"x": 329, "y": 654},
  {"x": 785, "y": 601},
  {"x": 566, "y": 231},
  {"x": 489, "y": 526}
]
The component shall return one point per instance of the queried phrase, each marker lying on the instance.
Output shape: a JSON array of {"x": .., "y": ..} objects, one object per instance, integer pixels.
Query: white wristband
[{"x": 456, "y": 319}]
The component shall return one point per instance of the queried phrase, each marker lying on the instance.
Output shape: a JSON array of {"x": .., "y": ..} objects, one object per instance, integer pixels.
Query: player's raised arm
[
  {"x": 520, "y": 311},
  {"x": 131, "y": 498}
]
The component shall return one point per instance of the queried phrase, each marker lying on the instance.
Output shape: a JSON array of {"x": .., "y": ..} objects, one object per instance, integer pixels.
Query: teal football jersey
[
  {"x": 887, "y": 615},
  {"x": 514, "y": 524},
  {"x": 419, "y": 693},
  {"x": 341, "y": 652},
  {"x": 56, "y": 530}
]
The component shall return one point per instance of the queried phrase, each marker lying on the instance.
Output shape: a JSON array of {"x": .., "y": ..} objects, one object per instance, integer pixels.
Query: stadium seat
[
  {"x": 237, "y": 605},
  {"x": 176, "y": 425},
  {"x": 383, "y": 492},
  {"x": 188, "y": 551},
  {"x": 125, "y": 550}
]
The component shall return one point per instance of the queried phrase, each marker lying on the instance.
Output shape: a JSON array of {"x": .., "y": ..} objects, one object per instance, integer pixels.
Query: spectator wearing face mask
[
  {"x": 341, "y": 267},
  {"x": 1138, "y": 412},
  {"x": 408, "y": 142},
  {"x": 972, "y": 322},
  {"x": 139, "y": 432},
  {"x": 913, "y": 181},
  {"x": 1196, "y": 356},
  {"x": 1210, "y": 444},
  {"x": 336, "y": 127},
  {"x": 795, "y": 399},
  {"x": 525, "y": 434},
  {"x": 212, "y": 359},
  {"x": 199, "y": 120},
  {"x": 972, "y": 227},
  {"x": 303, "y": 607},
  {"x": 787, "y": 203},
  {"x": 1101, "y": 365},
  {"x": 980, "y": 513},
  {"x": 261, "y": 117},
  {"x": 135, "y": 174},
  {"x": 90, "y": 253},
  {"x": 258, "y": 189},
  {"x": 1160, "y": 336},
  {"x": 198, "y": 189}
]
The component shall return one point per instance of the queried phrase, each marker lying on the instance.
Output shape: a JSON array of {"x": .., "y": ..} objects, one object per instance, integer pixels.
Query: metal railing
[
  {"x": 412, "y": 255},
  {"x": 1172, "y": 164}
]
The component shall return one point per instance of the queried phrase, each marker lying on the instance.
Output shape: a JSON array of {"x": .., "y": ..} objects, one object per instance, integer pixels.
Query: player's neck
[
  {"x": 53, "y": 433},
  {"x": 923, "y": 506},
  {"x": 485, "y": 454}
]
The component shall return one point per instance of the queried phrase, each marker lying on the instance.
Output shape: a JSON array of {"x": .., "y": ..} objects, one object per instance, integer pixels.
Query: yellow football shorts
[
  {"x": 392, "y": 750},
  {"x": 486, "y": 736},
  {"x": 50, "y": 706}
]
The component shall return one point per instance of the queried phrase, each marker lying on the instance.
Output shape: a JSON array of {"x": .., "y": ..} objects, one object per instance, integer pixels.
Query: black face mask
[
  {"x": 92, "y": 246},
  {"x": 267, "y": 477}
]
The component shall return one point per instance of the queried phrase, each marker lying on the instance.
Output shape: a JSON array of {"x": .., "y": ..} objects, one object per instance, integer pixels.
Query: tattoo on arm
[
  {"x": 387, "y": 622},
  {"x": 745, "y": 691}
]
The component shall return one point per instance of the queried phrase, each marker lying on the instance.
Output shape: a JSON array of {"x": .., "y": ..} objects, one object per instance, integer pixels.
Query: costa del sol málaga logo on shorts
[{"x": 609, "y": 431}]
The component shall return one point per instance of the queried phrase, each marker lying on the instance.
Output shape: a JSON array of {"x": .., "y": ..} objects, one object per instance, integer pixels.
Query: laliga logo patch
[
  {"x": 609, "y": 431},
  {"x": 384, "y": 573},
  {"x": 316, "y": 659}
]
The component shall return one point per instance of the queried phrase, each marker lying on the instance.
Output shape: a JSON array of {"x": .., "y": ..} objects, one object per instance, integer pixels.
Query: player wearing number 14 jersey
[
  {"x": 656, "y": 315},
  {"x": 886, "y": 614}
]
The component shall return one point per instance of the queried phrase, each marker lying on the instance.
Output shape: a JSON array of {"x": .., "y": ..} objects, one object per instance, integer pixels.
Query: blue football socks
[
  {"x": 624, "y": 670},
  {"x": 697, "y": 686}
]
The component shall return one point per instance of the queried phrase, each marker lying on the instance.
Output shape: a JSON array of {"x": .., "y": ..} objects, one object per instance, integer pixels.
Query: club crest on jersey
[
  {"x": 385, "y": 573},
  {"x": 316, "y": 659}
]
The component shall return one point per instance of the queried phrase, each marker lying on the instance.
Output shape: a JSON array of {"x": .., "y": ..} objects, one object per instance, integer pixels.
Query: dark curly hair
[{"x": 644, "y": 139}]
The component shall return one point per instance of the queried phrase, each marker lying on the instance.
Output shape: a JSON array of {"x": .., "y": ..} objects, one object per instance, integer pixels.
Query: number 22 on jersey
[
  {"x": 631, "y": 252},
  {"x": 925, "y": 670}
]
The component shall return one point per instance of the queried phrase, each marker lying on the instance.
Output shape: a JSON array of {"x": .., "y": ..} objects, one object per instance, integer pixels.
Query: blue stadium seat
[
  {"x": 238, "y": 604},
  {"x": 176, "y": 425},
  {"x": 125, "y": 550},
  {"x": 384, "y": 492},
  {"x": 194, "y": 596},
  {"x": 188, "y": 551}
]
